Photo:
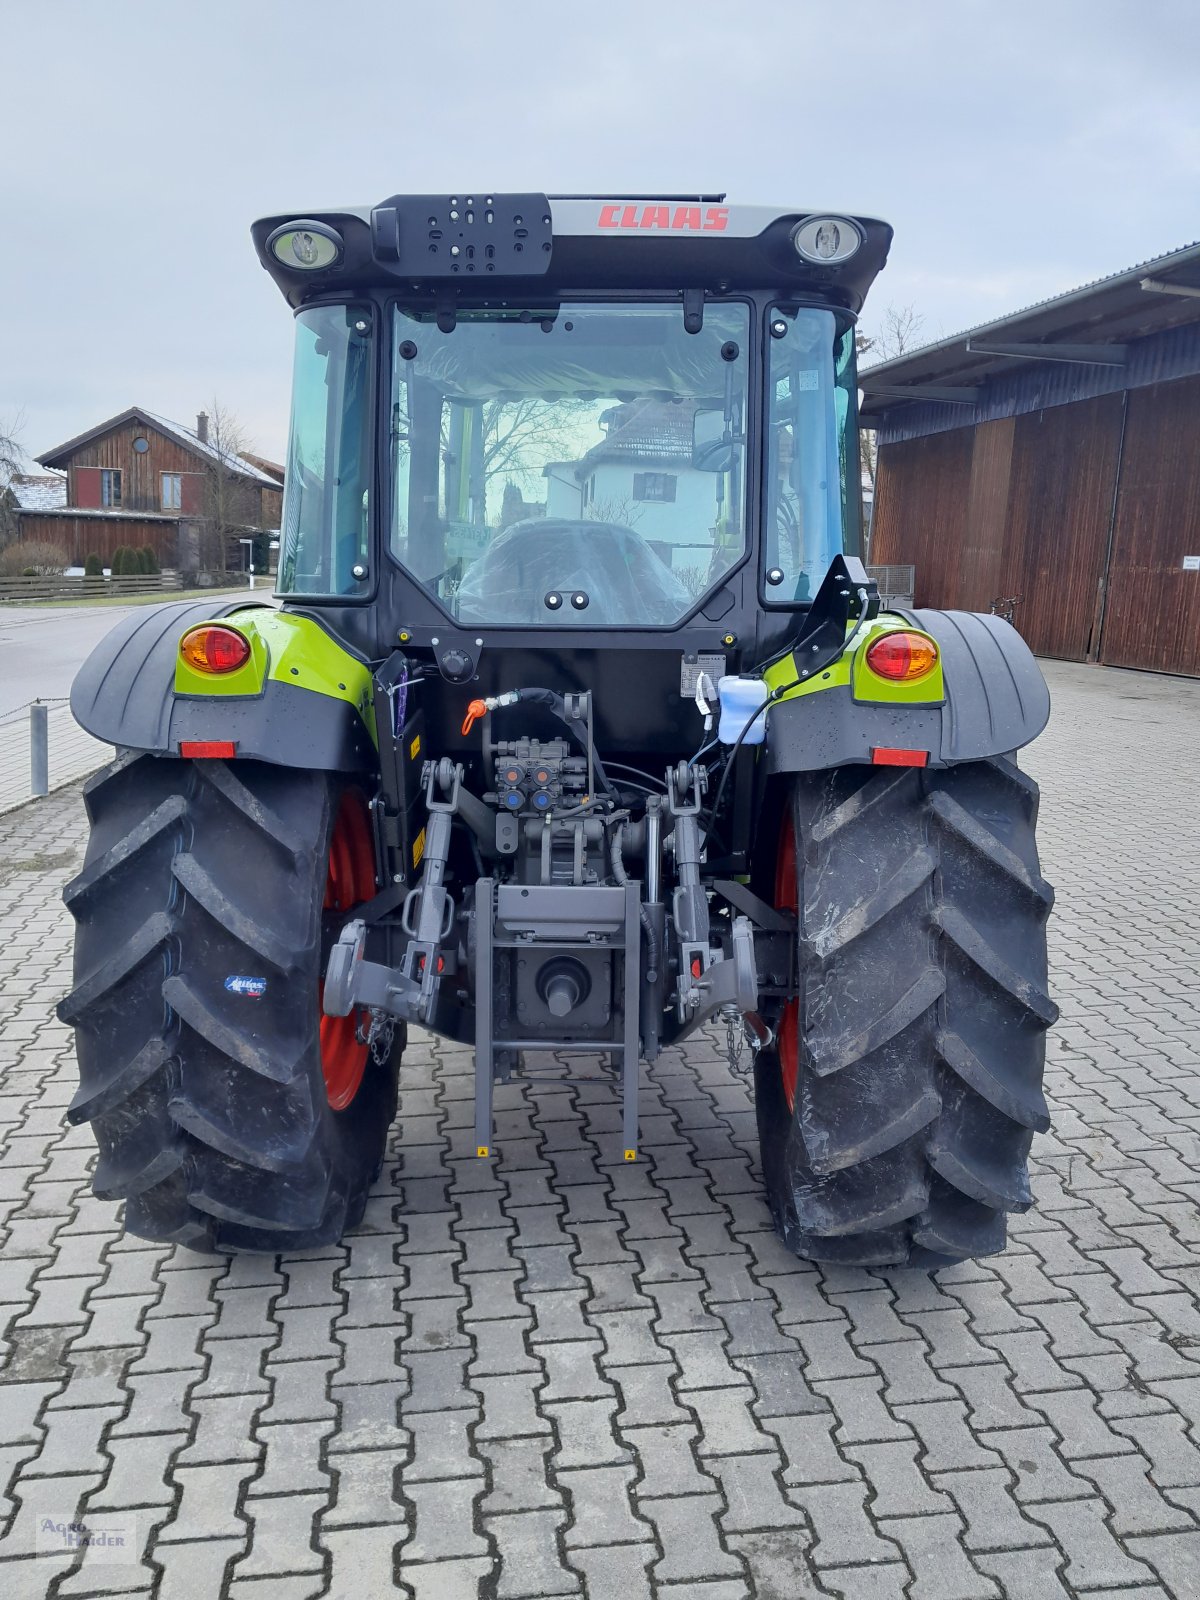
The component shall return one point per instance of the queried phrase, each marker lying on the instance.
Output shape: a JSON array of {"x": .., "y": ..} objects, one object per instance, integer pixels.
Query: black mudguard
[
  {"x": 996, "y": 702},
  {"x": 124, "y": 694}
]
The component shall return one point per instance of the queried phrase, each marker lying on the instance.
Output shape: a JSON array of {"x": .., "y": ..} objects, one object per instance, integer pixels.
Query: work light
[
  {"x": 826, "y": 240},
  {"x": 305, "y": 246}
]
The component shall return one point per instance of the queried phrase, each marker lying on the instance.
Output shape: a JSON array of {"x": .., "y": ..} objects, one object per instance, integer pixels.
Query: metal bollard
[{"x": 39, "y": 749}]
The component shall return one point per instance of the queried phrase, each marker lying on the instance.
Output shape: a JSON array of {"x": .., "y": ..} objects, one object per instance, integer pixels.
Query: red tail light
[
  {"x": 902, "y": 657},
  {"x": 212, "y": 648}
]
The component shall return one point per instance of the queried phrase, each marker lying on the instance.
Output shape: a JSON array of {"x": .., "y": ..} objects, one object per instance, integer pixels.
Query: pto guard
[
  {"x": 996, "y": 701},
  {"x": 301, "y": 701}
]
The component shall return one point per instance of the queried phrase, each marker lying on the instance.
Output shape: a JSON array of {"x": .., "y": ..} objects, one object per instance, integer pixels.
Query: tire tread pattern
[
  {"x": 208, "y": 1107},
  {"x": 923, "y": 1010}
]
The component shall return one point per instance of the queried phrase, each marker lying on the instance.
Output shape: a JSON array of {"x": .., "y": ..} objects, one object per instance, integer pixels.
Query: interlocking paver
[
  {"x": 530, "y": 1562},
  {"x": 755, "y": 1501},
  {"x": 553, "y": 1345},
  {"x": 617, "y": 1572},
  {"x": 72, "y": 1441},
  {"x": 520, "y": 1479},
  {"x": 599, "y": 1505},
  {"x": 688, "y": 1536},
  {"x": 932, "y": 1547},
  {"x": 843, "y": 1532},
  {"x": 292, "y": 1457},
  {"x": 196, "y": 1570},
  {"x": 994, "y": 1520},
  {"x": 585, "y": 1433},
  {"x": 1138, "y": 1507},
  {"x": 365, "y": 1488},
  {"x": 442, "y": 1447},
  {"x": 208, "y": 1506},
  {"x": 138, "y": 1476},
  {"x": 1095, "y": 1559}
]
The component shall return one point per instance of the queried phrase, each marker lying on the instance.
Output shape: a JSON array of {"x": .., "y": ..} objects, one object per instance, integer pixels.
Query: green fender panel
[
  {"x": 995, "y": 701},
  {"x": 300, "y": 701}
]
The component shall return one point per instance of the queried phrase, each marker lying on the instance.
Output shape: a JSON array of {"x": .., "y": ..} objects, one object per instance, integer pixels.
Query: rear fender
[
  {"x": 301, "y": 700},
  {"x": 994, "y": 700}
]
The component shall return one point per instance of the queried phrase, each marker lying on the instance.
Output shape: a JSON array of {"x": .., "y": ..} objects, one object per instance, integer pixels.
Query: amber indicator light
[
  {"x": 902, "y": 657},
  {"x": 211, "y": 648}
]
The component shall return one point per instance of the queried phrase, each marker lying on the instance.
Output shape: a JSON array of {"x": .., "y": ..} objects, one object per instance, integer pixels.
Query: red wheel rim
[
  {"x": 786, "y": 899},
  {"x": 349, "y": 880}
]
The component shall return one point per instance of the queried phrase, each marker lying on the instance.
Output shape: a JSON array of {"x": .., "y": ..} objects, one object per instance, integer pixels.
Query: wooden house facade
[{"x": 140, "y": 479}]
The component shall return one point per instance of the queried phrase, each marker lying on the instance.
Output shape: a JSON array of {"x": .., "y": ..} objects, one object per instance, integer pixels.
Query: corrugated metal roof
[
  {"x": 1125, "y": 338},
  {"x": 1025, "y": 386},
  {"x": 1156, "y": 266}
]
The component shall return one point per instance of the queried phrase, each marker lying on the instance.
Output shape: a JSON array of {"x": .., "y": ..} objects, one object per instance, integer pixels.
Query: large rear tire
[
  {"x": 897, "y": 1109},
  {"x": 228, "y": 1112}
]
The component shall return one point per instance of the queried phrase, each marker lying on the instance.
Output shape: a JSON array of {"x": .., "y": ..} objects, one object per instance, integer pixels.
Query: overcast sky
[{"x": 1019, "y": 147}]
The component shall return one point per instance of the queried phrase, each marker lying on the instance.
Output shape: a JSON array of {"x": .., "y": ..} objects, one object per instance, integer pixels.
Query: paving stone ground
[{"x": 553, "y": 1374}]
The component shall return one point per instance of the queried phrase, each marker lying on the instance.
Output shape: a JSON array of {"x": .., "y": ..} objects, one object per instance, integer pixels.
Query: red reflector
[
  {"x": 208, "y": 749},
  {"x": 697, "y": 969},
  {"x": 899, "y": 758}
]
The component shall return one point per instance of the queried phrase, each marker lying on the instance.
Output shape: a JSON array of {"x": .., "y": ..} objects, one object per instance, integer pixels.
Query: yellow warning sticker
[
  {"x": 414, "y": 749},
  {"x": 418, "y": 848},
  {"x": 482, "y": 1150},
  {"x": 631, "y": 1155}
]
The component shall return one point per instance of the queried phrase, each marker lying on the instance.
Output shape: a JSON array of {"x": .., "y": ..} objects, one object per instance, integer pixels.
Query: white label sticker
[{"x": 1191, "y": 563}]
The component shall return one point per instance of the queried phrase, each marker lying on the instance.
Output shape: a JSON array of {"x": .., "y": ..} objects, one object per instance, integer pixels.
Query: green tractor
[{"x": 579, "y": 726}]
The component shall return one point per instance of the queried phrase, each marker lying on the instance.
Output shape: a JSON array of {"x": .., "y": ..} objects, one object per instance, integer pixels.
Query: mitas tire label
[{"x": 247, "y": 988}]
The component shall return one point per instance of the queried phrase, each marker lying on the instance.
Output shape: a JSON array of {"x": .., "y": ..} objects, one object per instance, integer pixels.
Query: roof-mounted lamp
[
  {"x": 826, "y": 241},
  {"x": 305, "y": 246}
]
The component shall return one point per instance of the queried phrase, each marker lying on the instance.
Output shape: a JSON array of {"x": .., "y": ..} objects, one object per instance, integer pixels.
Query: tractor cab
[{"x": 539, "y": 416}]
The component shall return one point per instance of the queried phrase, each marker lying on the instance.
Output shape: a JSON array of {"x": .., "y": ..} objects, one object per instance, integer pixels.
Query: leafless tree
[
  {"x": 12, "y": 460},
  {"x": 232, "y": 502},
  {"x": 12, "y": 456},
  {"x": 899, "y": 330},
  {"x": 615, "y": 508},
  {"x": 511, "y": 427}
]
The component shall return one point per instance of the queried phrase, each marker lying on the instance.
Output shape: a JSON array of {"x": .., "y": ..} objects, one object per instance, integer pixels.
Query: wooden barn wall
[
  {"x": 1014, "y": 506},
  {"x": 101, "y": 536},
  {"x": 1060, "y": 499},
  {"x": 1152, "y": 617},
  {"x": 272, "y": 508},
  {"x": 921, "y": 495},
  {"x": 980, "y": 577}
]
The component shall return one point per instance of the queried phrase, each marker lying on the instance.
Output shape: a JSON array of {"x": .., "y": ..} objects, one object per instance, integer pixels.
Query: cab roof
[{"x": 481, "y": 246}]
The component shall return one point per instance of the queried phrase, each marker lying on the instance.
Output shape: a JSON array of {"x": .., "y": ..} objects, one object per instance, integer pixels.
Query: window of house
[
  {"x": 654, "y": 485},
  {"x": 172, "y": 491},
  {"x": 141, "y": 444},
  {"x": 110, "y": 486}
]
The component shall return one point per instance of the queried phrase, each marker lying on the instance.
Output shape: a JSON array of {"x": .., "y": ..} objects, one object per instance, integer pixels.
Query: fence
[
  {"x": 896, "y": 585},
  {"x": 42, "y": 747},
  {"x": 29, "y": 591}
]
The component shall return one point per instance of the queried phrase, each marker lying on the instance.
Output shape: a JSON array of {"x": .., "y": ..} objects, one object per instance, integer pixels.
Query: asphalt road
[{"x": 42, "y": 648}]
